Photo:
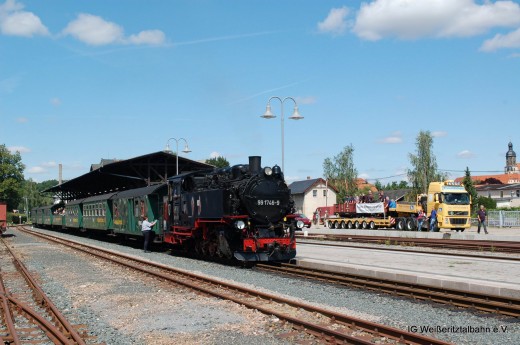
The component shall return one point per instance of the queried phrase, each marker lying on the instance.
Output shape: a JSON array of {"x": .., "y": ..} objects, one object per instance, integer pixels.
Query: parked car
[{"x": 304, "y": 219}]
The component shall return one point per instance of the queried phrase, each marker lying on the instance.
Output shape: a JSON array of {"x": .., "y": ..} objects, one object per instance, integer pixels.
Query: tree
[
  {"x": 378, "y": 185},
  {"x": 394, "y": 185},
  {"x": 11, "y": 177},
  {"x": 470, "y": 187},
  {"x": 491, "y": 180},
  {"x": 488, "y": 203},
  {"x": 424, "y": 165},
  {"x": 32, "y": 191},
  {"x": 341, "y": 173},
  {"x": 219, "y": 162}
]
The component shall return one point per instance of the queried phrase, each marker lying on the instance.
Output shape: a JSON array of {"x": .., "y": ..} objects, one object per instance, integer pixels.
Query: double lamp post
[
  {"x": 186, "y": 150},
  {"x": 269, "y": 115}
]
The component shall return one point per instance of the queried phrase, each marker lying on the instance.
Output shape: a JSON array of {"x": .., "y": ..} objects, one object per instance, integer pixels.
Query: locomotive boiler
[{"x": 244, "y": 212}]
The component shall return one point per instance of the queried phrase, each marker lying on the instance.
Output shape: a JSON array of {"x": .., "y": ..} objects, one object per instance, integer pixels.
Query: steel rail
[
  {"x": 63, "y": 324},
  {"x": 494, "y": 246},
  {"x": 211, "y": 286},
  {"x": 53, "y": 332},
  {"x": 485, "y": 302},
  {"x": 8, "y": 317}
]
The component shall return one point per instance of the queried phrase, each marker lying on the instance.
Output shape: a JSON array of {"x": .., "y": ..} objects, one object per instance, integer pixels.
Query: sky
[{"x": 86, "y": 80}]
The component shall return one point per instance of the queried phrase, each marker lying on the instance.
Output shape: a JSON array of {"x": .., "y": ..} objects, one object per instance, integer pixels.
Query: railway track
[
  {"x": 28, "y": 316},
  {"x": 458, "y": 298},
  {"x": 408, "y": 249},
  {"x": 474, "y": 245},
  {"x": 325, "y": 325}
]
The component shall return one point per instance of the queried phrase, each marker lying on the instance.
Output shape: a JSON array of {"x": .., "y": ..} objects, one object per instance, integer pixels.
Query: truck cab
[{"x": 452, "y": 203}]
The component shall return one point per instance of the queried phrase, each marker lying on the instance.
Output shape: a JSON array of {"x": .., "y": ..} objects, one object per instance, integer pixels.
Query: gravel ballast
[{"x": 119, "y": 308}]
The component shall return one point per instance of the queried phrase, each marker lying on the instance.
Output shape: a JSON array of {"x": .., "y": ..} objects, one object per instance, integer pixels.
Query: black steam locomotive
[{"x": 245, "y": 212}]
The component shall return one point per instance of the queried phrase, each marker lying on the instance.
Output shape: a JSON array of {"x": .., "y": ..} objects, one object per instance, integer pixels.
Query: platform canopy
[{"x": 113, "y": 176}]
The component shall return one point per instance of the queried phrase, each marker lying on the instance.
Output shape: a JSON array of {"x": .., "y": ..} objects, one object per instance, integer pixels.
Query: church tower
[{"x": 511, "y": 167}]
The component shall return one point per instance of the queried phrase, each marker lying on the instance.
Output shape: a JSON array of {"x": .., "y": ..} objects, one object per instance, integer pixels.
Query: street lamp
[
  {"x": 269, "y": 115},
  {"x": 186, "y": 150}
]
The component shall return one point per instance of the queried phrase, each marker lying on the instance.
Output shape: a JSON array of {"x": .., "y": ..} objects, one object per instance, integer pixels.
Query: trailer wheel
[
  {"x": 350, "y": 225},
  {"x": 330, "y": 224},
  {"x": 400, "y": 223},
  {"x": 410, "y": 224},
  {"x": 356, "y": 224},
  {"x": 336, "y": 225},
  {"x": 372, "y": 225},
  {"x": 342, "y": 224},
  {"x": 364, "y": 225}
]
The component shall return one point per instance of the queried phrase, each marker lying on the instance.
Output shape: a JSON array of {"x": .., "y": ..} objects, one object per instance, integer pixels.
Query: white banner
[{"x": 371, "y": 207}]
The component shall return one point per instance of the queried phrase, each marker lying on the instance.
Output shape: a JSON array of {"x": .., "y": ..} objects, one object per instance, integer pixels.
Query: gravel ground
[{"x": 188, "y": 318}]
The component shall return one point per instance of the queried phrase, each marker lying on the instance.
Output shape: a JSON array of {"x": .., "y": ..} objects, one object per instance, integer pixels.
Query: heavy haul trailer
[
  {"x": 450, "y": 200},
  {"x": 375, "y": 215}
]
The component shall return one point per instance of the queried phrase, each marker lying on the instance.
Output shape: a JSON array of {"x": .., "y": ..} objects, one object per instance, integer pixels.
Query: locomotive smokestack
[{"x": 255, "y": 164}]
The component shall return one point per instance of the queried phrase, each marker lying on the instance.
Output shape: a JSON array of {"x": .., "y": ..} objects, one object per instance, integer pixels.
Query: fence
[{"x": 503, "y": 218}]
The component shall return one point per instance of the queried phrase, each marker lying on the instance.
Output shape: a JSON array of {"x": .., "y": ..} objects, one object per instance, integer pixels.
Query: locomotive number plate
[{"x": 269, "y": 202}]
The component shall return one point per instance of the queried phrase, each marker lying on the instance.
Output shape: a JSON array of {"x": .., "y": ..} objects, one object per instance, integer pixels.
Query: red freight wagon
[{"x": 3, "y": 217}]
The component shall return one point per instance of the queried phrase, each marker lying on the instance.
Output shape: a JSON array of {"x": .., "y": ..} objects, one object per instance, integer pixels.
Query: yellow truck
[
  {"x": 450, "y": 200},
  {"x": 452, "y": 203}
]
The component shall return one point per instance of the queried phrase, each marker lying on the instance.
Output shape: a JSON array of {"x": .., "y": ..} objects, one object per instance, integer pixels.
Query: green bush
[{"x": 15, "y": 217}]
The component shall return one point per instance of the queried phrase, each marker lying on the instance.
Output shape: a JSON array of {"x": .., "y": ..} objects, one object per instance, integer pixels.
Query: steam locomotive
[{"x": 244, "y": 212}]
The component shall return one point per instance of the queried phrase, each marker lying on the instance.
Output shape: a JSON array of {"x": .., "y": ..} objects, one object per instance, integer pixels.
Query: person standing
[
  {"x": 481, "y": 215},
  {"x": 420, "y": 219},
  {"x": 146, "y": 228},
  {"x": 433, "y": 220}
]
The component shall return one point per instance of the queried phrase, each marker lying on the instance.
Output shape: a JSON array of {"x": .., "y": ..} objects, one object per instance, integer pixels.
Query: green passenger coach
[
  {"x": 74, "y": 214},
  {"x": 128, "y": 208},
  {"x": 97, "y": 212}
]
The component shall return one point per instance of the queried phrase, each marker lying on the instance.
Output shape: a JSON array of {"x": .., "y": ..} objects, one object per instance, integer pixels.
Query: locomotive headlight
[
  {"x": 239, "y": 224},
  {"x": 300, "y": 224},
  {"x": 268, "y": 171}
]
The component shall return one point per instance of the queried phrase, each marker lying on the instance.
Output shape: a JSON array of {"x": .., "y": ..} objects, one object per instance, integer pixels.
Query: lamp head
[
  {"x": 186, "y": 149},
  {"x": 167, "y": 148},
  {"x": 296, "y": 114},
  {"x": 268, "y": 114}
]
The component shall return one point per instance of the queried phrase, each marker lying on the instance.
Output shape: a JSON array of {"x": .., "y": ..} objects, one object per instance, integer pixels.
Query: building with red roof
[{"x": 503, "y": 188}]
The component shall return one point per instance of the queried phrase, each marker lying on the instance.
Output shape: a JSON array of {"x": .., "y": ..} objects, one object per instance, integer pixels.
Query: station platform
[
  {"x": 491, "y": 276},
  {"x": 495, "y": 234}
]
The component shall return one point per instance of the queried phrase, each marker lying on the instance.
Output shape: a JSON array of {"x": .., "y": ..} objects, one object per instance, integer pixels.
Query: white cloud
[
  {"x": 510, "y": 40},
  {"x": 394, "y": 138},
  {"x": 21, "y": 149},
  {"x": 465, "y": 154},
  {"x": 306, "y": 100},
  {"x": 335, "y": 23},
  {"x": 36, "y": 170},
  {"x": 15, "y": 22},
  {"x": 96, "y": 31},
  {"x": 22, "y": 120},
  {"x": 364, "y": 176},
  {"x": 407, "y": 19},
  {"x": 152, "y": 37},
  {"x": 439, "y": 134},
  {"x": 214, "y": 154}
]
